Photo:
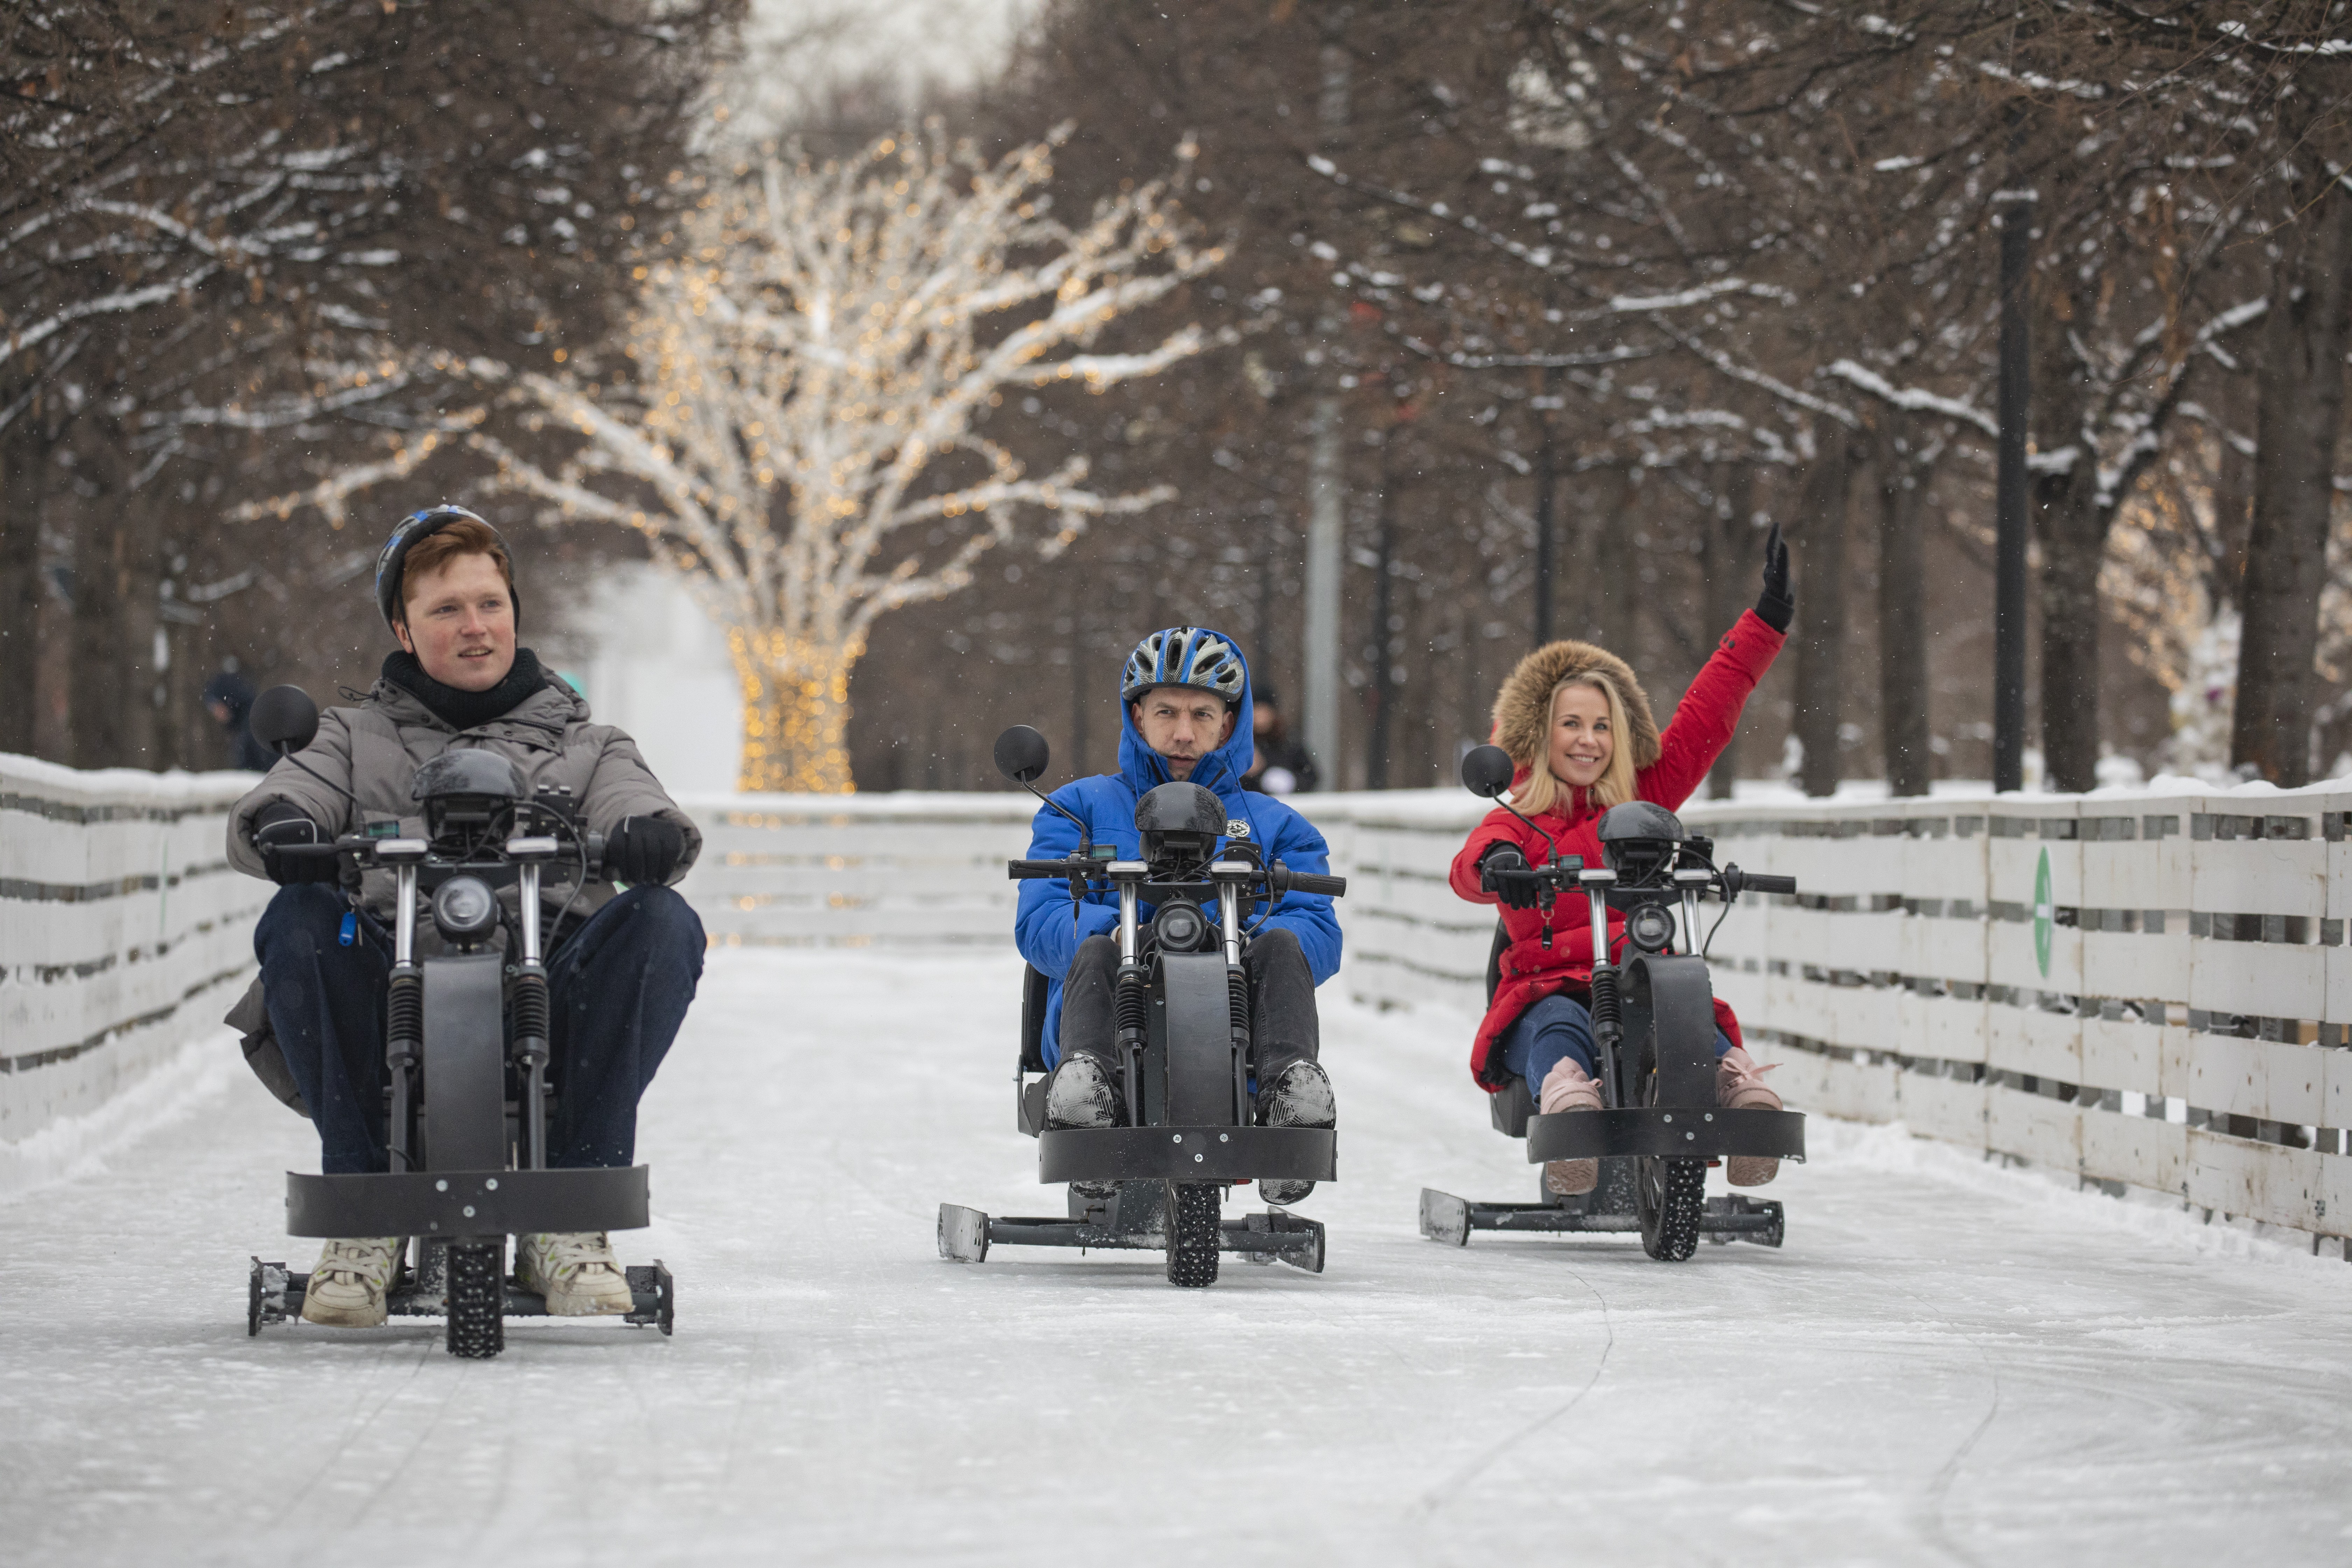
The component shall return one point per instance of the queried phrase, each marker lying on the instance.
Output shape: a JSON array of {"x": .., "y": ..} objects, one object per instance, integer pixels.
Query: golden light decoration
[{"x": 846, "y": 328}]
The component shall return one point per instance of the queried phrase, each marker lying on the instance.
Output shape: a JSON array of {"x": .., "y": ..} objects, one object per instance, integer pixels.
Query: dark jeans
[
  {"x": 1282, "y": 1002},
  {"x": 620, "y": 985},
  {"x": 1555, "y": 1026}
]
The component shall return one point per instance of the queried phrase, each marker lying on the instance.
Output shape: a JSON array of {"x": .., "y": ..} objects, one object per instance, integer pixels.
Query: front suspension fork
[
  {"x": 531, "y": 1023},
  {"x": 403, "y": 1043},
  {"x": 1234, "y": 880},
  {"x": 1134, "y": 1001},
  {"x": 1608, "y": 1009}
]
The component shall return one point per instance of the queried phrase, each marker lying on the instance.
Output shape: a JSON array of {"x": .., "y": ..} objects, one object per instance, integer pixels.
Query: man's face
[
  {"x": 1183, "y": 724},
  {"x": 460, "y": 623}
]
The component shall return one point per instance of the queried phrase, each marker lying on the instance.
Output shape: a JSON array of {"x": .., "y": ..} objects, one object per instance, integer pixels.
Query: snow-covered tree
[{"x": 797, "y": 415}]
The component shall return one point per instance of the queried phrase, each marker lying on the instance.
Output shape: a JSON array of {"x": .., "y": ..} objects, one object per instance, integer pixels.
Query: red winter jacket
[{"x": 1668, "y": 767}]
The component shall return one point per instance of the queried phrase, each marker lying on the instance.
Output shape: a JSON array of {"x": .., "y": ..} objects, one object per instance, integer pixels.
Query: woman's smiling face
[{"x": 1581, "y": 740}]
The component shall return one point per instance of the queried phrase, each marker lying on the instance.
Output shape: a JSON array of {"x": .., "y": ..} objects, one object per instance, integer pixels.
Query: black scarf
[{"x": 465, "y": 709}]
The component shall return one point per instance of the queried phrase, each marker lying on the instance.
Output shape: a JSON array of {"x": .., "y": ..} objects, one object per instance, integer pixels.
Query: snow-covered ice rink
[{"x": 1946, "y": 1363}]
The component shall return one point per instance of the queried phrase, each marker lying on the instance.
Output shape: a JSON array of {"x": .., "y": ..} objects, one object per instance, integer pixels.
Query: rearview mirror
[
  {"x": 1486, "y": 771},
  {"x": 284, "y": 719},
  {"x": 1021, "y": 755}
]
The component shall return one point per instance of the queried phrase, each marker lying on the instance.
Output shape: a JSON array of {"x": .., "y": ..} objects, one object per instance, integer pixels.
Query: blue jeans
[
  {"x": 1558, "y": 1026},
  {"x": 619, "y": 988}
]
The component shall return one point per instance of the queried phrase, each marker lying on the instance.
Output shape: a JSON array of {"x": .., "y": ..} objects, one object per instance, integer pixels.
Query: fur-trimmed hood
[{"x": 1522, "y": 707}]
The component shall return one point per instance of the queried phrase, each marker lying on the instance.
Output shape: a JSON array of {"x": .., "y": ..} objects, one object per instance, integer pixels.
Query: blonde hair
[{"x": 1543, "y": 790}]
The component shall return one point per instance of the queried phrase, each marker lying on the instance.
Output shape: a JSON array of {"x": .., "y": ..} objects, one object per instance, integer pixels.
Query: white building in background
[{"x": 648, "y": 659}]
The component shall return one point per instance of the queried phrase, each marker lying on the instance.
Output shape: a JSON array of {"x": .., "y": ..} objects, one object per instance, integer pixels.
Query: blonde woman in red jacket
[{"x": 1577, "y": 726}]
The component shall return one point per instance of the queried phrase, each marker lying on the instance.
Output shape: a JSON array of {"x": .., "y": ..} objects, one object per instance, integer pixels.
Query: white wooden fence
[
  {"x": 2145, "y": 990},
  {"x": 123, "y": 931},
  {"x": 855, "y": 871}
]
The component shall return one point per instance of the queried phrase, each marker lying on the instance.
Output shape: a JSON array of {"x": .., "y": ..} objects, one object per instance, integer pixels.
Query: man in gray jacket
[{"x": 622, "y": 967}]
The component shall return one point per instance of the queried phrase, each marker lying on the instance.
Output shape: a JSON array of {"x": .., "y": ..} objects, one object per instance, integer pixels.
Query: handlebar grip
[
  {"x": 306, "y": 851},
  {"x": 1285, "y": 880},
  {"x": 1035, "y": 871},
  {"x": 1757, "y": 882}
]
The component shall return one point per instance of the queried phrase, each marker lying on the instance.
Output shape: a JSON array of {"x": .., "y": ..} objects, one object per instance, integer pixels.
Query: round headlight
[
  {"x": 1182, "y": 927},
  {"x": 464, "y": 910},
  {"x": 1650, "y": 928}
]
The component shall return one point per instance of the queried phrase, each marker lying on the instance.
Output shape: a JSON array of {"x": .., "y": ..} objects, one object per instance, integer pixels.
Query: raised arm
[{"x": 1708, "y": 715}]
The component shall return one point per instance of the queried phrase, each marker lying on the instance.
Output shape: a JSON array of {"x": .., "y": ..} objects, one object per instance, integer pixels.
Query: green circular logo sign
[{"x": 2044, "y": 913}]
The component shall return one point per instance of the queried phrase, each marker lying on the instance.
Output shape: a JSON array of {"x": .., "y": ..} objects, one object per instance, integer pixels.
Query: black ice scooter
[
  {"x": 466, "y": 1046},
  {"x": 1653, "y": 1023},
  {"x": 1184, "y": 1050}
]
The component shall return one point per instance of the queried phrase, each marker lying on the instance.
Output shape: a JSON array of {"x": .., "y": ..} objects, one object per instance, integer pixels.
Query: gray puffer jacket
[{"x": 374, "y": 750}]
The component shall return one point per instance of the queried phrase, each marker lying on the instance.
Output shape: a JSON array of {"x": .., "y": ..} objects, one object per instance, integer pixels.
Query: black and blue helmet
[
  {"x": 416, "y": 525},
  {"x": 1183, "y": 655}
]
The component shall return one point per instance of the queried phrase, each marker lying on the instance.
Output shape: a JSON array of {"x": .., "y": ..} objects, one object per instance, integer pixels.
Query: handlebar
[
  {"x": 362, "y": 850},
  {"x": 1279, "y": 879},
  {"x": 1283, "y": 879},
  {"x": 1729, "y": 884}
]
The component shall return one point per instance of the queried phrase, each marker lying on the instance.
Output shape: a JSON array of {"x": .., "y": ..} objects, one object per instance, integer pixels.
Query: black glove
[
  {"x": 1503, "y": 871},
  {"x": 643, "y": 850},
  {"x": 1776, "y": 604},
  {"x": 281, "y": 822}
]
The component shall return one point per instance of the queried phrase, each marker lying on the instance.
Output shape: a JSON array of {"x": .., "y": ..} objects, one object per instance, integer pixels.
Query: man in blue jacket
[{"x": 1186, "y": 698}]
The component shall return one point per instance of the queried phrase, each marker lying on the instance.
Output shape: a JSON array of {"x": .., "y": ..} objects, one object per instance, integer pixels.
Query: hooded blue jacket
[{"x": 1042, "y": 926}]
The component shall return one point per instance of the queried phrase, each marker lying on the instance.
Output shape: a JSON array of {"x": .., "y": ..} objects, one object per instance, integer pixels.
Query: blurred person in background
[
  {"x": 228, "y": 697},
  {"x": 1278, "y": 764}
]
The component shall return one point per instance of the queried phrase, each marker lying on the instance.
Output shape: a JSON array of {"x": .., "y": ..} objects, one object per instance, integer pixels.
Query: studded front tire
[
  {"x": 1193, "y": 1232},
  {"x": 477, "y": 1294},
  {"x": 1671, "y": 1196}
]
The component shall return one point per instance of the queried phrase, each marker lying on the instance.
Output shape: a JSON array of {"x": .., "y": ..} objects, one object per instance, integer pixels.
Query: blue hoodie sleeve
[
  {"x": 1300, "y": 847},
  {"x": 1041, "y": 920}
]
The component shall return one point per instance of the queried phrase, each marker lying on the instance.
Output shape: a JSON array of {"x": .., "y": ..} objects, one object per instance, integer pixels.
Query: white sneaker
[
  {"x": 576, "y": 1272},
  {"x": 347, "y": 1290}
]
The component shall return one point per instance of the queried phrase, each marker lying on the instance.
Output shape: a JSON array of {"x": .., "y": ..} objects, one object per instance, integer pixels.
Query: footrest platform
[
  {"x": 965, "y": 1234},
  {"x": 1449, "y": 1219}
]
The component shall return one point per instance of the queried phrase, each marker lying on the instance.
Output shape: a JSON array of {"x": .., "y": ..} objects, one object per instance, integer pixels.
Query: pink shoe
[
  {"x": 1739, "y": 1086},
  {"x": 1568, "y": 1087}
]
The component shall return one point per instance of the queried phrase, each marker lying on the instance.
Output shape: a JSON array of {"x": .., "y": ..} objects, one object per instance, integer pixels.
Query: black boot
[
  {"x": 1300, "y": 1095},
  {"x": 1085, "y": 1092}
]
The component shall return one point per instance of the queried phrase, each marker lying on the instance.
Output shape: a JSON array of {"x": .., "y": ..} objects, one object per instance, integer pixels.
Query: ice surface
[{"x": 1948, "y": 1363}]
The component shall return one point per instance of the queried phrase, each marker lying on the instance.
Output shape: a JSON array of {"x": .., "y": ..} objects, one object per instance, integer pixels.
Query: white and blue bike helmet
[
  {"x": 392, "y": 560},
  {"x": 1183, "y": 655}
]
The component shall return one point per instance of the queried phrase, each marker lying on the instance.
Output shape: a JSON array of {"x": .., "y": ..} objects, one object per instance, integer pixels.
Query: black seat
[
  {"x": 1029, "y": 1099},
  {"x": 1511, "y": 1105}
]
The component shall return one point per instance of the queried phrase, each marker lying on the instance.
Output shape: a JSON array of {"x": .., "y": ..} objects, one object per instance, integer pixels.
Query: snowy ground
[{"x": 1946, "y": 1363}]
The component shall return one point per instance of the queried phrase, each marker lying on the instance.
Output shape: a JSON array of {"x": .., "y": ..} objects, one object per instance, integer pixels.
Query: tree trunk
[
  {"x": 796, "y": 713},
  {"x": 23, "y": 481},
  {"x": 1611, "y": 567},
  {"x": 2072, "y": 529},
  {"x": 1730, "y": 544},
  {"x": 1379, "y": 650},
  {"x": 1820, "y": 547},
  {"x": 1902, "y": 628},
  {"x": 1547, "y": 587},
  {"x": 2300, "y": 414}
]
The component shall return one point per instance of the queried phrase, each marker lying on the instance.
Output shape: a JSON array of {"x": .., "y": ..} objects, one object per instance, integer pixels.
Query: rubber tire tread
[
  {"x": 1671, "y": 1234},
  {"x": 477, "y": 1298},
  {"x": 1194, "y": 1228}
]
